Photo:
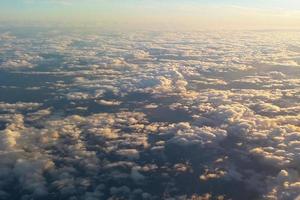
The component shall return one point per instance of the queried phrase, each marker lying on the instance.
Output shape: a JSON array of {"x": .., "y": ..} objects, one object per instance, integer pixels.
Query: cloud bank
[{"x": 150, "y": 115}]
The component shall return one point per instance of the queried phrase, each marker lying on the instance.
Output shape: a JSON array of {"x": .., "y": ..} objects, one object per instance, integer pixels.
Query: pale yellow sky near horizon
[{"x": 174, "y": 15}]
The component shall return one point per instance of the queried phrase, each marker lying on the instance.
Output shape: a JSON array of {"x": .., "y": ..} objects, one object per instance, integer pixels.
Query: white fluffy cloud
[{"x": 117, "y": 115}]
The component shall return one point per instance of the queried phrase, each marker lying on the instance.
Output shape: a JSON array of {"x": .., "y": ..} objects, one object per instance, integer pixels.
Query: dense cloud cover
[{"x": 108, "y": 115}]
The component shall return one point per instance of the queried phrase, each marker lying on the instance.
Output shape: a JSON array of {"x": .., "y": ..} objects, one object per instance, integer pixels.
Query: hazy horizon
[{"x": 147, "y": 14}]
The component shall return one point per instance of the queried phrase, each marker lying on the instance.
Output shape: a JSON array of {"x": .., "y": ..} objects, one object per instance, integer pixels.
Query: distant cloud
[{"x": 130, "y": 115}]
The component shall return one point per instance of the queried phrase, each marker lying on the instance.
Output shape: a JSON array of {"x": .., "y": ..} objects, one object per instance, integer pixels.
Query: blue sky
[
  {"x": 49, "y": 4},
  {"x": 155, "y": 11}
]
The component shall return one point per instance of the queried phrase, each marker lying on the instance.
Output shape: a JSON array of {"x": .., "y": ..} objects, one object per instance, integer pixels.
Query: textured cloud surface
[{"x": 207, "y": 115}]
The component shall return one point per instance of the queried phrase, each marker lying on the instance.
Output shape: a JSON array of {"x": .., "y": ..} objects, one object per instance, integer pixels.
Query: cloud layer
[{"x": 150, "y": 115}]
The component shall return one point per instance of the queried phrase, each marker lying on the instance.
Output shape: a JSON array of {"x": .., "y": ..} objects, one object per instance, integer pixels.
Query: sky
[{"x": 156, "y": 13}]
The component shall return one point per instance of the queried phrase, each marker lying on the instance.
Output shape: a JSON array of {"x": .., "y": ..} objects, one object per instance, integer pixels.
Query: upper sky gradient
[{"x": 147, "y": 13}]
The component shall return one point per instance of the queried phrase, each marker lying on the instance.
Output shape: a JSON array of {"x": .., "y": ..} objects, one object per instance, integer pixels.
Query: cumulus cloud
[
  {"x": 108, "y": 103},
  {"x": 136, "y": 115},
  {"x": 19, "y": 106}
]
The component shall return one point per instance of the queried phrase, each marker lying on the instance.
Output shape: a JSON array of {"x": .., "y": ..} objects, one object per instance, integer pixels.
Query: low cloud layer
[{"x": 208, "y": 115}]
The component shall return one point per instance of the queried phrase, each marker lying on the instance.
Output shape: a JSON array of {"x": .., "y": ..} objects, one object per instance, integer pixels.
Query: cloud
[
  {"x": 17, "y": 107},
  {"x": 135, "y": 115},
  {"x": 108, "y": 103}
]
